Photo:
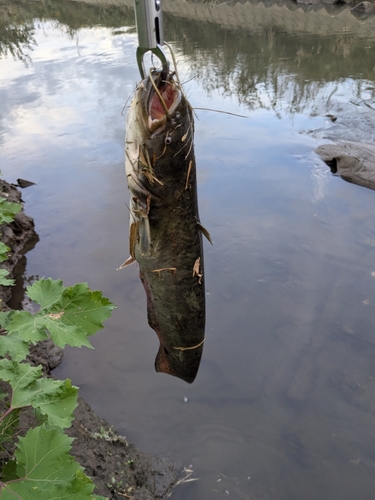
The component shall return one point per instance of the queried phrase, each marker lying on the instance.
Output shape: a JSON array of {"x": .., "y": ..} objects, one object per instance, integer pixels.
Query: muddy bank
[
  {"x": 20, "y": 237},
  {"x": 117, "y": 467}
]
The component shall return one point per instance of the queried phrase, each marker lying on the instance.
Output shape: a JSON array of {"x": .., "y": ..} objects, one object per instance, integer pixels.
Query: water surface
[{"x": 283, "y": 405}]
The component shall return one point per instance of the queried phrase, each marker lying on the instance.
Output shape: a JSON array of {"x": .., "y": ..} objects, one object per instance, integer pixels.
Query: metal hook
[
  {"x": 148, "y": 16},
  {"x": 159, "y": 53}
]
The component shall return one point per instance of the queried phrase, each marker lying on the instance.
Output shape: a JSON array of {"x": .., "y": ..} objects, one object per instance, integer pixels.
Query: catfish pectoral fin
[
  {"x": 144, "y": 235},
  {"x": 204, "y": 231},
  {"x": 128, "y": 261}
]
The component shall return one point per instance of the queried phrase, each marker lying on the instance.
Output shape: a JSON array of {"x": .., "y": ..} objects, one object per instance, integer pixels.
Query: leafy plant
[
  {"x": 8, "y": 210},
  {"x": 38, "y": 465}
]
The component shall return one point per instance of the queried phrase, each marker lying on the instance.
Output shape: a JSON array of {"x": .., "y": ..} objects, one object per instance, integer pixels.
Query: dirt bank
[{"x": 117, "y": 467}]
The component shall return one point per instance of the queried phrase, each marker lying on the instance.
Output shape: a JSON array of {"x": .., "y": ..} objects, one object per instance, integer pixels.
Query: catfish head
[{"x": 159, "y": 138}]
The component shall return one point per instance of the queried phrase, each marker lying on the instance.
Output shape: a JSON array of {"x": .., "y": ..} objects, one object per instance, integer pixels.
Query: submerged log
[{"x": 352, "y": 161}]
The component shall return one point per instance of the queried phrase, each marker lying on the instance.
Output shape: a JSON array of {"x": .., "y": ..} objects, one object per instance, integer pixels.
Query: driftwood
[{"x": 352, "y": 161}]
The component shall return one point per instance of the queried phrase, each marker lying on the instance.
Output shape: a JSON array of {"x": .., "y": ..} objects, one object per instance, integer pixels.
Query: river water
[{"x": 283, "y": 406}]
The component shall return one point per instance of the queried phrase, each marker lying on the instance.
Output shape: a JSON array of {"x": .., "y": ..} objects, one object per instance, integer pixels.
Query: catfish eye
[{"x": 168, "y": 139}]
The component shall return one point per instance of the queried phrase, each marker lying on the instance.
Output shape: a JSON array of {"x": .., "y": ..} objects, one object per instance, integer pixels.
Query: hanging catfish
[{"x": 165, "y": 232}]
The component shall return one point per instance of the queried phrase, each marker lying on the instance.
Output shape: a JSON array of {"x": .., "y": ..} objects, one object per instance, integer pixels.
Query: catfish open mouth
[{"x": 161, "y": 105}]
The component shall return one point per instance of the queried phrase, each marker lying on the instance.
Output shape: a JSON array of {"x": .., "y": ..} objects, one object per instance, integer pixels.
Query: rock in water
[{"x": 363, "y": 10}]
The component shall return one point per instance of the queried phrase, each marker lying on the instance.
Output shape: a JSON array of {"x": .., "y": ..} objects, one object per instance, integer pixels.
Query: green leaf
[
  {"x": 8, "y": 210},
  {"x": 13, "y": 345},
  {"x": 46, "y": 470},
  {"x": 9, "y": 472},
  {"x": 83, "y": 307},
  {"x": 33, "y": 327},
  {"x": 4, "y": 318},
  {"x": 44, "y": 453},
  {"x": 8, "y": 426},
  {"x": 56, "y": 399},
  {"x": 45, "y": 292},
  {"x": 21, "y": 377},
  {"x": 3, "y": 251},
  {"x": 63, "y": 334},
  {"x": 29, "y": 326},
  {"x": 3, "y": 278},
  {"x": 68, "y": 314}
]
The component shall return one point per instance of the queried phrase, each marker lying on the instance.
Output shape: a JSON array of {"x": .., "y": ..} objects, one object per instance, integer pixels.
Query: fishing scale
[{"x": 148, "y": 17}]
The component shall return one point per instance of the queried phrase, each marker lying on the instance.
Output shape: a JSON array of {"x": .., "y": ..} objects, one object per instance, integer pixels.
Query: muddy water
[{"x": 283, "y": 405}]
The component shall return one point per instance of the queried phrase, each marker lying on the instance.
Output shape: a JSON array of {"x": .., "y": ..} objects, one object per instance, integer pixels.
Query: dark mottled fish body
[{"x": 165, "y": 234}]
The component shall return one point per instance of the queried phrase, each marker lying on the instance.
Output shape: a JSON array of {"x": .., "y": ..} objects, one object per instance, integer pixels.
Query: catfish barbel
[{"x": 165, "y": 232}]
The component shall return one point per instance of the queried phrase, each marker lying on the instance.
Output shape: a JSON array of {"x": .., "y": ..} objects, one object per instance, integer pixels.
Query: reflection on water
[{"x": 283, "y": 404}]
